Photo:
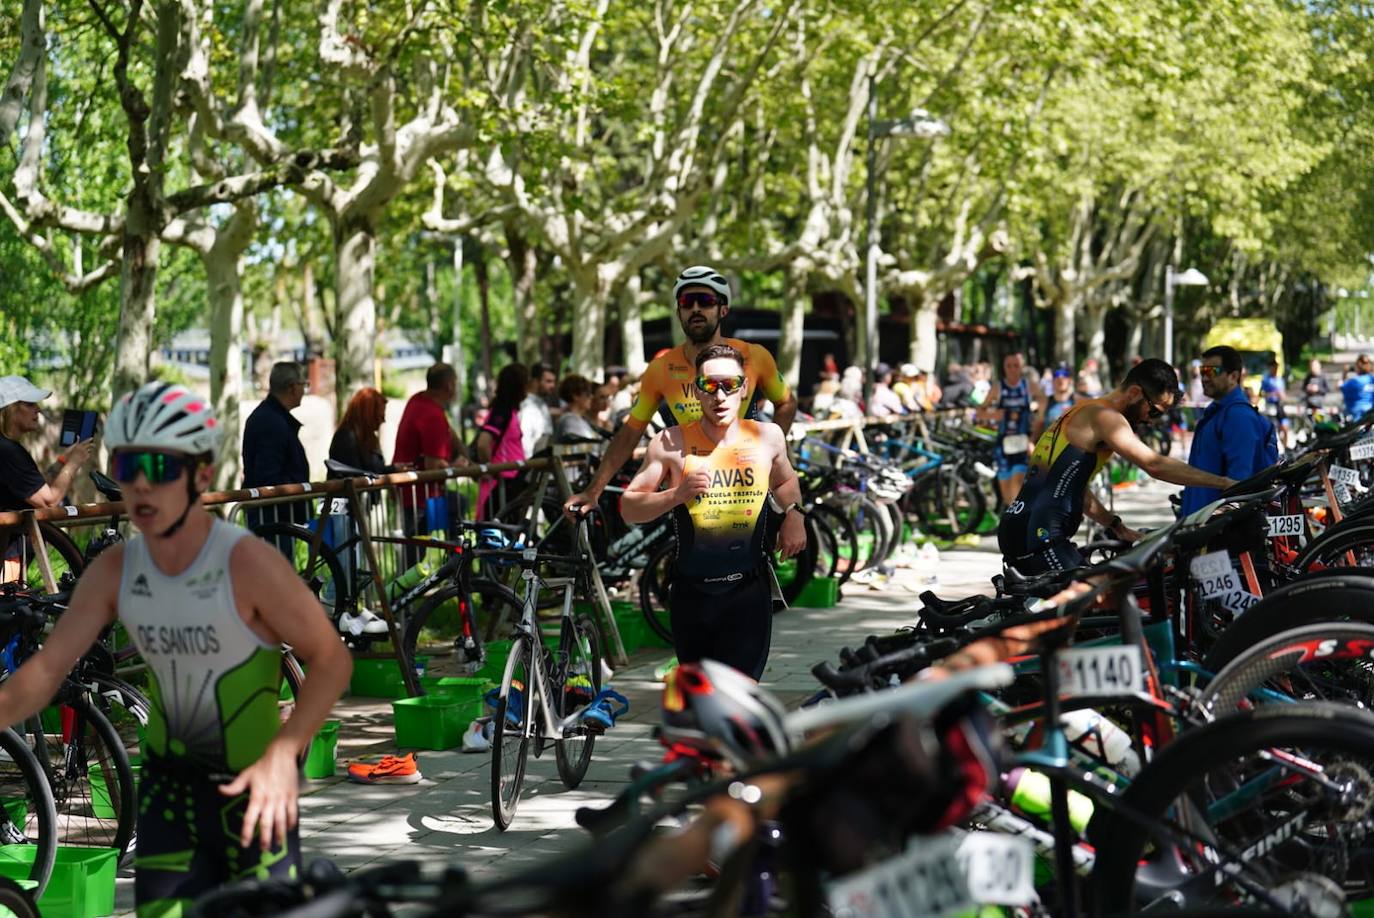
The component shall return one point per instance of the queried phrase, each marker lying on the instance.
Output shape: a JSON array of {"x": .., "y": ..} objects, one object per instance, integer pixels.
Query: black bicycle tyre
[
  {"x": 293, "y": 677},
  {"x": 805, "y": 566},
  {"x": 654, "y": 589},
  {"x": 1346, "y": 536},
  {"x": 506, "y": 781},
  {"x": 843, "y": 530},
  {"x": 42, "y": 810},
  {"x": 1282, "y": 654},
  {"x": 14, "y": 902},
  {"x": 1179, "y": 765},
  {"x": 1315, "y": 598},
  {"x": 936, "y": 498},
  {"x": 490, "y": 591},
  {"x": 572, "y": 766},
  {"x": 326, "y": 564},
  {"x": 827, "y": 546}
]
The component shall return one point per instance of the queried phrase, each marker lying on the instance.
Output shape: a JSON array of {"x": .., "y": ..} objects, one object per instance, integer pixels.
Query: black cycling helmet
[{"x": 717, "y": 710}]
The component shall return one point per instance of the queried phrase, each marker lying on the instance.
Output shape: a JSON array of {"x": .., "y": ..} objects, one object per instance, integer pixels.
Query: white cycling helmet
[
  {"x": 703, "y": 276},
  {"x": 163, "y": 416}
]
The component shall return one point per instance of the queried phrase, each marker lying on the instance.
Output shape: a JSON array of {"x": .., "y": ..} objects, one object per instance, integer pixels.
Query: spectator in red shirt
[{"x": 424, "y": 440}]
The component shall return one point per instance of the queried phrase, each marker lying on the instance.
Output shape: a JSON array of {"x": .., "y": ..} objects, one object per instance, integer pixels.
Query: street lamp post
[
  {"x": 1190, "y": 278},
  {"x": 921, "y": 124}
]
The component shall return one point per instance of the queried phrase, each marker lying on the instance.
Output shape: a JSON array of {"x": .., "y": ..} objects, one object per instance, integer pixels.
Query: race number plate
[
  {"x": 1000, "y": 868},
  {"x": 1015, "y": 444},
  {"x": 941, "y": 875},
  {"x": 1213, "y": 574},
  {"x": 1100, "y": 671},
  {"x": 1237, "y": 601},
  {"x": 1363, "y": 449},
  {"x": 1342, "y": 475},
  {"x": 1343, "y": 495},
  {"x": 1280, "y": 526}
]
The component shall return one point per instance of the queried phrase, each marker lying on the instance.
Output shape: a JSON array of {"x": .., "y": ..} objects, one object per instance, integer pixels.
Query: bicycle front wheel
[
  {"x": 92, "y": 781},
  {"x": 579, "y": 681},
  {"x": 510, "y": 741},
  {"x": 28, "y": 816}
]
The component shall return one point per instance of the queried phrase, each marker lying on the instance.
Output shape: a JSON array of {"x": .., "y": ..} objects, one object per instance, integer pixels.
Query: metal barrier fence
[{"x": 381, "y": 526}]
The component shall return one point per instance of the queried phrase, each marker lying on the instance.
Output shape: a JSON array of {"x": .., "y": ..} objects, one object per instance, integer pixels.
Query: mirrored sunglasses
[
  {"x": 158, "y": 468},
  {"x": 698, "y": 299},
  {"x": 724, "y": 385}
]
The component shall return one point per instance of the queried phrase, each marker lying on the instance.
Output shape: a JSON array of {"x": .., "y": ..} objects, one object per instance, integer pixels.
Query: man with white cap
[{"x": 22, "y": 485}]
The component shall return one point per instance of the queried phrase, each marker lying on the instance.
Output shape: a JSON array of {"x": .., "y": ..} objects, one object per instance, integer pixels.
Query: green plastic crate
[
  {"x": 82, "y": 884},
  {"x": 819, "y": 593},
  {"x": 433, "y": 722},
  {"x": 460, "y": 688},
  {"x": 381, "y": 678},
  {"x": 320, "y": 761}
]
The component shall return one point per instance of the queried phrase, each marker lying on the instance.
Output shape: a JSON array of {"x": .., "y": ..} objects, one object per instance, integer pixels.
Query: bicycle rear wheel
[
  {"x": 516, "y": 705},
  {"x": 846, "y": 543},
  {"x": 439, "y": 618},
  {"x": 1245, "y": 785},
  {"x": 578, "y": 671},
  {"x": 655, "y": 582},
  {"x": 320, "y": 568},
  {"x": 62, "y": 554}
]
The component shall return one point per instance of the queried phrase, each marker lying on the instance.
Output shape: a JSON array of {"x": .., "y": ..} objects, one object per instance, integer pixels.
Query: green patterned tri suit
[{"x": 213, "y": 691}]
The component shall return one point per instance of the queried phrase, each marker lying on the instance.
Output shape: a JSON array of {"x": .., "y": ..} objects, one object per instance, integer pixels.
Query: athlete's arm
[
  {"x": 774, "y": 387},
  {"x": 642, "y": 500},
  {"x": 285, "y": 610},
  {"x": 786, "y": 487},
  {"x": 1095, "y": 511},
  {"x": 618, "y": 452},
  {"x": 1111, "y": 428},
  {"x": 92, "y": 607},
  {"x": 989, "y": 411}
]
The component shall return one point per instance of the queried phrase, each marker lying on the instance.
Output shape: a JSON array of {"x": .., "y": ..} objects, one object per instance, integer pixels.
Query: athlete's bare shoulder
[{"x": 670, "y": 443}]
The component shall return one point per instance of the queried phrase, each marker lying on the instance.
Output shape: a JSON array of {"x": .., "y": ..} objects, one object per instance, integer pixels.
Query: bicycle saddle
[
  {"x": 1041, "y": 585},
  {"x": 107, "y": 486},
  {"x": 335, "y": 467}
]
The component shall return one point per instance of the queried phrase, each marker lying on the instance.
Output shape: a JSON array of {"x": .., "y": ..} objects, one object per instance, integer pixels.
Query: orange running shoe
[{"x": 392, "y": 769}]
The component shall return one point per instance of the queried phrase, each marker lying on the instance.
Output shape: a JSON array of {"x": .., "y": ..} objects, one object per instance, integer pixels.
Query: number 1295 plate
[{"x": 1100, "y": 671}]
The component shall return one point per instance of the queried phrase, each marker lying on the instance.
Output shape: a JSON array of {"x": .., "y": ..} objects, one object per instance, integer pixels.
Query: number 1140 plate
[{"x": 1100, "y": 671}]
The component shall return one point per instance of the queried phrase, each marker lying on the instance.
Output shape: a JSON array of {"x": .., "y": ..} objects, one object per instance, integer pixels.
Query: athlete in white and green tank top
[
  {"x": 209, "y": 607},
  {"x": 213, "y": 682}
]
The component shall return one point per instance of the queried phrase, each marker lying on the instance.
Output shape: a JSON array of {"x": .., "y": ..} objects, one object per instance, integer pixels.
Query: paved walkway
[{"x": 447, "y": 816}]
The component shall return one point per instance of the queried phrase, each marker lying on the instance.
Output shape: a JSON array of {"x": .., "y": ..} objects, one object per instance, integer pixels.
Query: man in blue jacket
[
  {"x": 1231, "y": 438},
  {"x": 272, "y": 450}
]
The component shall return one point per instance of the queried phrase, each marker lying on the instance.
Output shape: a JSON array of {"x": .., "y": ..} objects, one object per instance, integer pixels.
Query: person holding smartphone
[{"x": 22, "y": 485}]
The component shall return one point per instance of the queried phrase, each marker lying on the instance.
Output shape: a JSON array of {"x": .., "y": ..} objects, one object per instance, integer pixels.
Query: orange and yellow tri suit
[
  {"x": 669, "y": 385},
  {"x": 721, "y": 534},
  {"x": 1049, "y": 509}
]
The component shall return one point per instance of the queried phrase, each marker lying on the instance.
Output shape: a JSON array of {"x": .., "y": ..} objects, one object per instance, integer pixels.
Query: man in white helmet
[
  {"x": 702, "y": 295},
  {"x": 208, "y": 606}
]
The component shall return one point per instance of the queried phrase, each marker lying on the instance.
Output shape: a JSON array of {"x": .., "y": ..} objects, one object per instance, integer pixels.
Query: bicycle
[{"x": 544, "y": 693}]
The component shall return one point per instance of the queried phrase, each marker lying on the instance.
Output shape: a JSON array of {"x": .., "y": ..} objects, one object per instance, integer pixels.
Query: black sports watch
[{"x": 1115, "y": 524}]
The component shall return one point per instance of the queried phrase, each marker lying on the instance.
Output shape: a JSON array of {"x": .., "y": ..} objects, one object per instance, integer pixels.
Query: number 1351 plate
[{"x": 1100, "y": 671}]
